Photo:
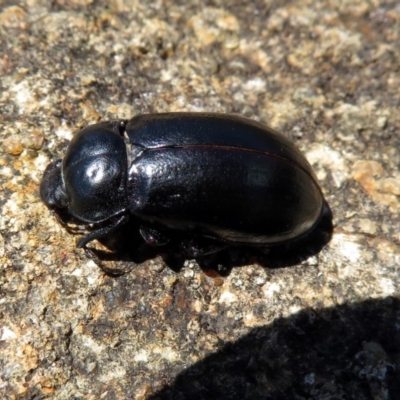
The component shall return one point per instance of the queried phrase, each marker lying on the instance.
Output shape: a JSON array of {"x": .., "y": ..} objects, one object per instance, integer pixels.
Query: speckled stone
[{"x": 327, "y": 75}]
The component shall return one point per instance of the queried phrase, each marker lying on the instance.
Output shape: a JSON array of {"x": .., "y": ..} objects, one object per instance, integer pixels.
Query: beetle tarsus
[{"x": 108, "y": 271}]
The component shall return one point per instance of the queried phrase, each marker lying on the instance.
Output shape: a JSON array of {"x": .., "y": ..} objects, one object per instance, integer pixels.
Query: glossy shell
[{"x": 222, "y": 176}]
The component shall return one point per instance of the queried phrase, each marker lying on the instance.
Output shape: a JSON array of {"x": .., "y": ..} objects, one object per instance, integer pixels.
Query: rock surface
[{"x": 324, "y": 73}]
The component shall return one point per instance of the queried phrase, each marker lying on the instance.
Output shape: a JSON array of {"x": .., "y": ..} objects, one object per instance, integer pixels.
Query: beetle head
[
  {"x": 52, "y": 189},
  {"x": 90, "y": 181}
]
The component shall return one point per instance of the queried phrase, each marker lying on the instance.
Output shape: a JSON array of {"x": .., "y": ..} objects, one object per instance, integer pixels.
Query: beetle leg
[
  {"x": 108, "y": 271},
  {"x": 153, "y": 236},
  {"x": 73, "y": 229},
  {"x": 102, "y": 232},
  {"x": 202, "y": 246}
]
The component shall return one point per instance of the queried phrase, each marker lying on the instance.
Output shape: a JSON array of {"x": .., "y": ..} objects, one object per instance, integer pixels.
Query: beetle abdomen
[{"x": 234, "y": 194}]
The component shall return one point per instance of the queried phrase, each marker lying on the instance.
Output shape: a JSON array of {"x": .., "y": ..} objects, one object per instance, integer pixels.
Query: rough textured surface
[{"x": 326, "y": 74}]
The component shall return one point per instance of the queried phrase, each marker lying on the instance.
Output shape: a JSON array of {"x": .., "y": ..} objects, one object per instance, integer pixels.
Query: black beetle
[{"x": 217, "y": 180}]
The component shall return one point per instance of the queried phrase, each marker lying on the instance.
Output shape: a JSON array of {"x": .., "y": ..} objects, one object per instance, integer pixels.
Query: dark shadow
[
  {"x": 347, "y": 352},
  {"x": 127, "y": 249}
]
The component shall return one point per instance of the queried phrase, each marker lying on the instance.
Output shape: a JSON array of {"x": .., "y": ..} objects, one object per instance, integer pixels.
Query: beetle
[{"x": 216, "y": 180}]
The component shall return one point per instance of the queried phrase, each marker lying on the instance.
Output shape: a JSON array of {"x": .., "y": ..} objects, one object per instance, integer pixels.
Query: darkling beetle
[{"x": 217, "y": 180}]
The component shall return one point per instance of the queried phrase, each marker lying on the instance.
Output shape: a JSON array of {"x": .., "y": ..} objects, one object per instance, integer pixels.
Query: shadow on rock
[{"x": 346, "y": 352}]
